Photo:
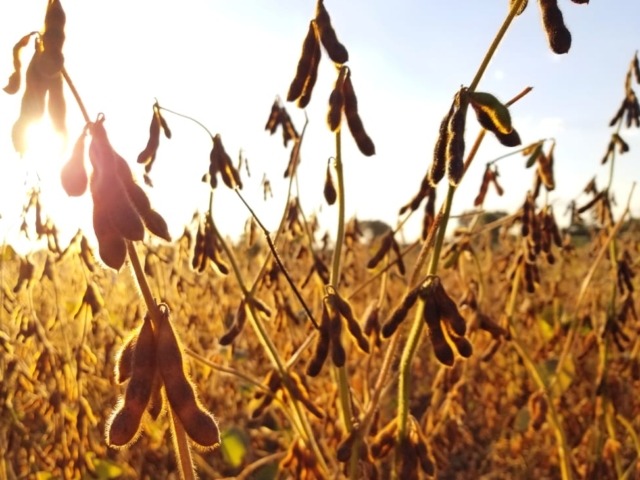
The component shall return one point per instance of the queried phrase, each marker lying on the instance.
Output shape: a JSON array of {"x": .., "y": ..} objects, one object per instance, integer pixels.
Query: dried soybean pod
[
  {"x": 463, "y": 346},
  {"x": 336, "y": 102},
  {"x": 111, "y": 246},
  {"x": 399, "y": 261},
  {"x": 330, "y": 193},
  {"x": 57, "y": 106},
  {"x": 400, "y": 313},
  {"x": 438, "y": 164},
  {"x": 449, "y": 310},
  {"x": 558, "y": 35},
  {"x": 52, "y": 60},
  {"x": 353, "y": 326},
  {"x": 13, "y": 85},
  {"x": 236, "y": 327},
  {"x": 345, "y": 447},
  {"x": 322, "y": 345},
  {"x": 74, "y": 174},
  {"x": 32, "y": 106},
  {"x": 441, "y": 348},
  {"x": 197, "y": 422},
  {"x": 338, "y": 354},
  {"x": 156, "y": 403},
  {"x": 312, "y": 76},
  {"x": 148, "y": 155},
  {"x": 454, "y": 149},
  {"x": 336, "y": 51},
  {"x": 354, "y": 122},
  {"x": 300, "y": 392},
  {"x": 384, "y": 439},
  {"x": 420, "y": 446},
  {"x": 484, "y": 187},
  {"x": 385, "y": 246},
  {"x": 124, "y": 358},
  {"x": 151, "y": 219},
  {"x": 309, "y": 47},
  {"x": 124, "y": 425},
  {"x": 274, "y": 118},
  {"x": 635, "y": 66}
]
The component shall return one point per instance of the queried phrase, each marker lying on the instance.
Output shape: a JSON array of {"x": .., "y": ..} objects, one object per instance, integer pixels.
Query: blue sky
[{"x": 224, "y": 62}]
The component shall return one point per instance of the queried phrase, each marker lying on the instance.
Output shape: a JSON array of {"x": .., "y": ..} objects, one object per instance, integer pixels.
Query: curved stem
[
  {"x": 181, "y": 443},
  {"x": 553, "y": 417},
  {"x": 416, "y": 329},
  {"x": 75, "y": 94},
  {"x": 334, "y": 280}
]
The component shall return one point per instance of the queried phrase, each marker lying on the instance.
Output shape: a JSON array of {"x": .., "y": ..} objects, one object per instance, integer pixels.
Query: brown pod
[
  {"x": 384, "y": 440},
  {"x": 289, "y": 131},
  {"x": 449, "y": 310},
  {"x": 74, "y": 174},
  {"x": 148, "y": 155},
  {"x": 197, "y": 422},
  {"x": 336, "y": 51},
  {"x": 400, "y": 312},
  {"x": 399, "y": 261},
  {"x": 52, "y": 60},
  {"x": 236, "y": 327},
  {"x": 336, "y": 102},
  {"x": 338, "y": 354},
  {"x": 124, "y": 424},
  {"x": 224, "y": 165},
  {"x": 111, "y": 245},
  {"x": 156, "y": 403},
  {"x": 484, "y": 187},
  {"x": 322, "y": 345},
  {"x": 308, "y": 57},
  {"x": 345, "y": 447},
  {"x": 330, "y": 193},
  {"x": 363, "y": 141},
  {"x": 300, "y": 393},
  {"x": 274, "y": 117},
  {"x": 124, "y": 358},
  {"x": 312, "y": 76},
  {"x": 32, "y": 106},
  {"x": 439, "y": 162},
  {"x": 537, "y": 410},
  {"x": 372, "y": 324},
  {"x": 151, "y": 219},
  {"x": 86, "y": 254},
  {"x": 57, "y": 106},
  {"x": 441, "y": 348},
  {"x": 353, "y": 326},
  {"x": 558, "y": 35},
  {"x": 454, "y": 149},
  {"x": 13, "y": 85},
  {"x": 385, "y": 246},
  {"x": 462, "y": 345}
]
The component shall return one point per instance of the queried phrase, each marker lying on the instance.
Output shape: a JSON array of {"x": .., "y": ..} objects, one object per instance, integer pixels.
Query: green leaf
[{"x": 234, "y": 447}]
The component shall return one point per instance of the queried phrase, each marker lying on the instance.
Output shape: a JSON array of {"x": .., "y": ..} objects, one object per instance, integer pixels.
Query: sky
[{"x": 224, "y": 62}]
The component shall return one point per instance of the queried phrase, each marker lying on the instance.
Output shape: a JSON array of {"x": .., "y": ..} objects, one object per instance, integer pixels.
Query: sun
[{"x": 45, "y": 146}]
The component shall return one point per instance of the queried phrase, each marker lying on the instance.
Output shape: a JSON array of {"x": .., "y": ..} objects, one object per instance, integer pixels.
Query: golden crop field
[{"x": 496, "y": 345}]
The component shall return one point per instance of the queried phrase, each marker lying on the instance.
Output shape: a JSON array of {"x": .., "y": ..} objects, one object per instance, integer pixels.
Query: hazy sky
[{"x": 224, "y": 62}]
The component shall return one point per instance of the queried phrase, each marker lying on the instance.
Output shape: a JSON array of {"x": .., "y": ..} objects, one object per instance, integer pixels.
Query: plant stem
[
  {"x": 181, "y": 443},
  {"x": 334, "y": 280},
  {"x": 554, "y": 420},
  {"x": 418, "y": 323}
]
